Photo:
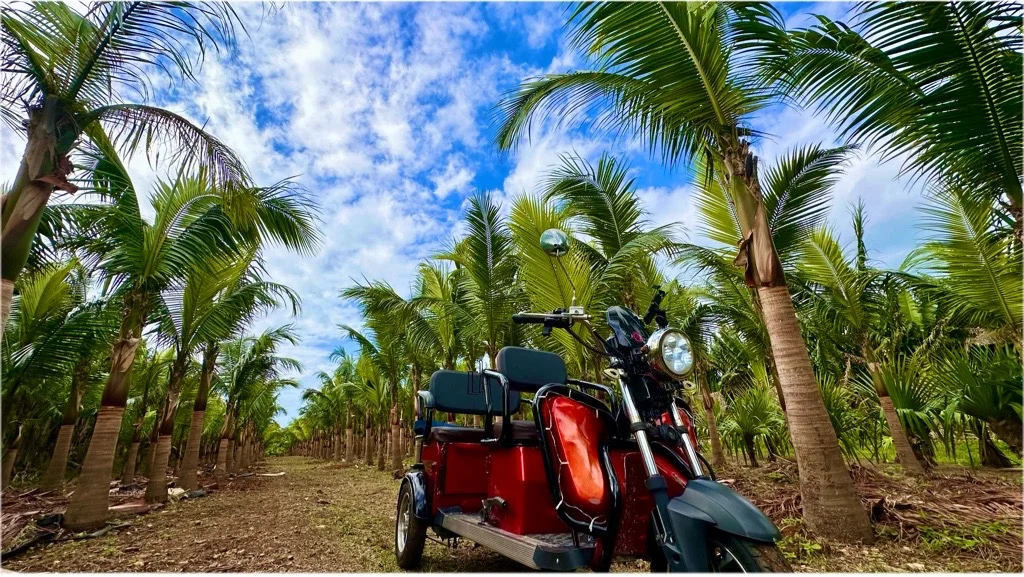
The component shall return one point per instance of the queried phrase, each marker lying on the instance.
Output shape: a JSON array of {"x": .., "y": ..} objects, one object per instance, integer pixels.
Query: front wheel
[
  {"x": 410, "y": 531},
  {"x": 731, "y": 554}
]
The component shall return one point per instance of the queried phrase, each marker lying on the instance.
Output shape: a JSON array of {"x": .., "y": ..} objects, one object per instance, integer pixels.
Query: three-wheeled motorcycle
[{"x": 599, "y": 471}]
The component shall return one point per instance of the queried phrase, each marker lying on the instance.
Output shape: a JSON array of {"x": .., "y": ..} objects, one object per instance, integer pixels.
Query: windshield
[{"x": 627, "y": 328}]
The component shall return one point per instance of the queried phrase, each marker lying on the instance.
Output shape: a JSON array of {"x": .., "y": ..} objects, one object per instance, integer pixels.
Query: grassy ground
[{"x": 322, "y": 517}]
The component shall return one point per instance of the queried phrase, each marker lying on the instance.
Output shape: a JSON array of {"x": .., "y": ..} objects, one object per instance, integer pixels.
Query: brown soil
[{"x": 322, "y": 517}]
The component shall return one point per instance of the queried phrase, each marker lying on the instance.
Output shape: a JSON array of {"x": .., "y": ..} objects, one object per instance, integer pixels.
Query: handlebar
[{"x": 559, "y": 319}]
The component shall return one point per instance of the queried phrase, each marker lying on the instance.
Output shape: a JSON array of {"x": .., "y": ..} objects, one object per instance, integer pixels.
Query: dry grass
[{"x": 321, "y": 517}]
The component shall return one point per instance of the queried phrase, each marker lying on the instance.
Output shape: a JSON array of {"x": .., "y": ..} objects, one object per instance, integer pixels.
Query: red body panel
[
  {"x": 636, "y": 501},
  {"x": 516, "y": 474},
  {"x": 463, "y": 474}
]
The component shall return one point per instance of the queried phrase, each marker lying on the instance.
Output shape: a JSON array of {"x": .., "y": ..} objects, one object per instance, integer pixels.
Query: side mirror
[{"x": 554, "y": 242}]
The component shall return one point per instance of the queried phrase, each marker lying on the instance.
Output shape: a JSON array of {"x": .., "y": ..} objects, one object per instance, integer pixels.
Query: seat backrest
[
  {"x": 460, "y": 392},
  {"x": 529, "y": 369}
]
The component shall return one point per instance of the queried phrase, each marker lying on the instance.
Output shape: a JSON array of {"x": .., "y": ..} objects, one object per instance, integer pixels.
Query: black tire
[
  {"x": 408, "y": 551},
  {"x": 728, "y": 554}
]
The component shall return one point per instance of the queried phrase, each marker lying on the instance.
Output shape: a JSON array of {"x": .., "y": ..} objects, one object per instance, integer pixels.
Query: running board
[{"x": 549, "y": 551}]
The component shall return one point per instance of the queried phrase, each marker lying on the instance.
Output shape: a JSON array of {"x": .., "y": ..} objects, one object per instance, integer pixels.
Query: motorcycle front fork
[{"x": 672, "y": 545}]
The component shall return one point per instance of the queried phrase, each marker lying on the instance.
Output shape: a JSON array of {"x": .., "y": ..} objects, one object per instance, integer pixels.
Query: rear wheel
[
  {"x": 410, "y": 531},
  {"x": 729, "y": 554}
]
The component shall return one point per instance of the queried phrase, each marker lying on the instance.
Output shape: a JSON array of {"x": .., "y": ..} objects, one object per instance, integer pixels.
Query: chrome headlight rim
[{"x": 655, "y": 352}]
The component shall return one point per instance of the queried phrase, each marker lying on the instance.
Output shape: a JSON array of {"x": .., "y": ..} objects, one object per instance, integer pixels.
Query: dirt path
[
  {"x": 321, "y": 517},
  {"x": 317, "y": 517}
]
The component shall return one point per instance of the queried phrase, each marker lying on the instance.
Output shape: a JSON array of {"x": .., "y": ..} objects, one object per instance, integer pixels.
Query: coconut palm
[
  {"x": 933, "y": 84},
  {"x": 487, "y": 276},
  {"x": 152, "y": 374},
  {"x": 66, "y": 76},
  {"x": 979, "y": 275},
  {"x": 140, "y": 259},
  {"x": 382, "y": 344},
  {"x": 677, "y": 76},
  {"x": 850, "y": 294},
  {"x": 252, "y": 374},
  {"x": 52, "y": 339},
  {"x": 213, "y": 304}
]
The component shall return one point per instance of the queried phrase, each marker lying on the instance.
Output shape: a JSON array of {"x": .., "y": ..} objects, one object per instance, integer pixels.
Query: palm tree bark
[
  {"x": 367, "y": 450},
  {"x": 220, "y": 470},
  {"x": 54, "y": 476},
  {"x": 349, "y": 445},
  {"x": 128, "y": 471},
  {"x": 88, "y": 506},
  {"x": 830, "y": 503},
  {"x": 156, "y": 488},
  {"x": 9, "y": 458},
  {"x": 42, "y": 166},
  {"x": 904, "y": 452},
  {"x": 717, "y": 454},
  {"x": 190, "y": 464},
  {"x": 396, "y": 439}
]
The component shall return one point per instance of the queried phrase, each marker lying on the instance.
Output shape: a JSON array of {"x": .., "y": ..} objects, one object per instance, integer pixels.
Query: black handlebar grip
[{"x": 521, "y": 319}]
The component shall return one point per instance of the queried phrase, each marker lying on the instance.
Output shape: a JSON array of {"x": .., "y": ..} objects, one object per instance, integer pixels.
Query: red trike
[{"x": 587, "y": 478}]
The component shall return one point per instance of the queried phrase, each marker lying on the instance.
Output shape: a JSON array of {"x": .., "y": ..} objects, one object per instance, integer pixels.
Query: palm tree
[
  {"x": 252, "y": 374},
  {"x": 383, "y": 345},
  {"x": 487, "y": 276},
  {"x": 69, "y": 73},
  {"x": 52, "y": 339},
  {"x": 979, "y": 273},
  {"x": 601, "y": 203},
  {"x": 935, "y": 84},
  {"x": 150, "y": 372},
  {"x": 140, "y": 259},
  {"x": 678, "y": 76},
  {"x": 212, "y": 306},
  {"x": 852, "y": 300}
]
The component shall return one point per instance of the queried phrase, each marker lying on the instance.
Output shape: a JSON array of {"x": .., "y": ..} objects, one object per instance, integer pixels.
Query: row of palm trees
[
  {"x": 124, "y": 331},
  {"x": 803, "y": 346}
]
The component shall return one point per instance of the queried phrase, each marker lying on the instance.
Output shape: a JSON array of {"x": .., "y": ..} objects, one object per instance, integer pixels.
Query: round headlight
[{"x": 669, "y": 352}]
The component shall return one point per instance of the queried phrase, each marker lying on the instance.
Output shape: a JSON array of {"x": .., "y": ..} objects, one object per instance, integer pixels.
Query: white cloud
[{"x": 382, "y": 111}]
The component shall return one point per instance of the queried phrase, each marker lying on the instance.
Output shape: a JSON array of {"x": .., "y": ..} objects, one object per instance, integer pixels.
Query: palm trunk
[
  {"x": 10, "y": 457},
  {"x": 396, "y": 439},
  {"x": 382, "y": 449},
  {"x": 830, "y": 502},
  {"x": 156, "y": 489},
  {"x": 128, "y": 471},
  {"x": 22, "y": 207},
  {"x": 904, "y": 452},
  {"x": 189, "y": 478},
  {"x": 748, "y": 444},
  {"x": 6, "y": 299},
  {"x": 220, "y": 470},
  {"x": 190, "y": 464},
  {"x": 88, "y": 506},
  {"x": 367, "y": 450},
  {"x": 54, "y": 476},
  {"x": 717, "y": 454}
]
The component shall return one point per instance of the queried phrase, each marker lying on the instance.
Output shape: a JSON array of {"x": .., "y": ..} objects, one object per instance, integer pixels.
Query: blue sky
[{"x": 382, "y": 110}]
